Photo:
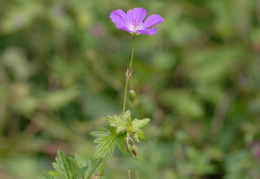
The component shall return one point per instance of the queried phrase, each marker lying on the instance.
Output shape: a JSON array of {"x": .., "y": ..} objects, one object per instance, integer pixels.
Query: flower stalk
[{"x": 128, "y": 75}]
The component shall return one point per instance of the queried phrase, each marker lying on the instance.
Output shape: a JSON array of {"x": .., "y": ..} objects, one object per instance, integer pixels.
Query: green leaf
[
  {"x": 117, "y": 122},
  {"x": 63, "y": 165},
  {"x": 83, "y": 167},
  {"x": 75, "y": 168},
  {"x": 107, "y": 139},
  {"x": 127, "y": 115},
  {"x": 80, "y": 162},
  {"x": 137, "y": 124},
  {"x": 81, "y": 173},
  {"x": 100, "y": 132},
  {"x": 46, "y": 176},
  {"x": 120, "y": 124},
  {"x": 121, "y": 144},
  {"x": 106, "y": 143},
  {"x": 89, "y": 164},
  {"x": 114, "y": 120},
  {"x": 138, "y": 133}
]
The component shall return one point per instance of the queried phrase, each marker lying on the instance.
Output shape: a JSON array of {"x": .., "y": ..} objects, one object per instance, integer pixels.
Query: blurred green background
[{"x": 62, "y": 66}]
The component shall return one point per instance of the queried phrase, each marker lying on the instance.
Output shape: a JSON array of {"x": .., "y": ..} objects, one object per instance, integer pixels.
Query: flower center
[{"x": 135, "y": 24}]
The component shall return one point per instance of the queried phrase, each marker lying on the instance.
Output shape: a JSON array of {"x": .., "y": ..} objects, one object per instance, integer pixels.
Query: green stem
[
  {"x": 127, "y": 77},
  {"x": 125, "y": 95},
  {"x": 94, "y": 168},
  {"x": 132, "y": 54}
]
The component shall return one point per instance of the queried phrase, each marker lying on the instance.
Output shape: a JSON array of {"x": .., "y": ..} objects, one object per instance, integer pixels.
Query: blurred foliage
[{"x": 62, "y": 70}]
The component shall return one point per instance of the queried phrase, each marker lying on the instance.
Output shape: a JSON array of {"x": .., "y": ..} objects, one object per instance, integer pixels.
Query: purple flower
[{"x": 132, "y": 21}]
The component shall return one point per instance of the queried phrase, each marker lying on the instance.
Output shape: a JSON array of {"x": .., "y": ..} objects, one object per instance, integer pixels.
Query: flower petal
[
  {"x": 151, "y": 31},
  {"x": 120, "y": 19},
  {"x": 136, "y": 15},
  {"x": 151, "y": 21}
]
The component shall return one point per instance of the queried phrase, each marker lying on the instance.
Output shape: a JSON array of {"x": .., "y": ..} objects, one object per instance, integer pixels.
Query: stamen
[{"x": 135, "y": 23}]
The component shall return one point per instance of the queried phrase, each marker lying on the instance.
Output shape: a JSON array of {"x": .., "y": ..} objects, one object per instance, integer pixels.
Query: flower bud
[
  {"x": 132, "y": 95},
  {"x": 129, "y": 148},
  {"x": 134, "y": 150}
]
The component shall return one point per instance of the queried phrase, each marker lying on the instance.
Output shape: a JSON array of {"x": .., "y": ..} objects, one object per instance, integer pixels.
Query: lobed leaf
[
  {"x": 73, "y": 168},
  {"x": 121, "y": 144},
  {"x": 116, "y": 121},
  {"x": 105, "y": 144},
  {"x": 140, "y": 123},
  {"x": 139, "y": 135},
  {"x": 100, "y": 132},
  {"x": 127, "y": 115},
  {"x": 81, "y": 173},
  {"x": 63, "y": 165},
  {"x": 137, "y": 124},
  {"x": 80, "y": 162}
]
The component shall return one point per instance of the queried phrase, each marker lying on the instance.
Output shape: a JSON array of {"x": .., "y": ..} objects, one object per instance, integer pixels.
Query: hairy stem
[
  {"x": 128, "y": 74},
  {"x": 94, "y": 168}
]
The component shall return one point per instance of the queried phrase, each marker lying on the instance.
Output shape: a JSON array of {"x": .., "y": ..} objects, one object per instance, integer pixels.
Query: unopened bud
[
  {"x": 129, "y": 148},
  {"x": 132, "y": 95},
  {"x": 134, "y": 150}
]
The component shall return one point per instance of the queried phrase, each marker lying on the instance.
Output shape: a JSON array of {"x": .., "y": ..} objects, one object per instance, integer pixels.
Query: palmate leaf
[
  {"x": 114, "y": 120},
  {"x": 80, "y": 162},
  {"x": 81, "y": 173},
  {"x": 102, "y": 131},
  {"x": 138, "y": 133},
  {"x": 121, "y": 144},
  {"x": 83, "y": 167},
  {"x": 106, "y": 141},
  {"x": 137, "y": 124},
  {"x": 63, "y": 165},
  {"x": 118, "y": 122},
  {"x": 75, "y": 168},
  {"x": 120, "y": 129}
]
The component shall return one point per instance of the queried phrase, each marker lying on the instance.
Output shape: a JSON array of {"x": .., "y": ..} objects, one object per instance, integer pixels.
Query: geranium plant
[{"x": 123, "y": 131}]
